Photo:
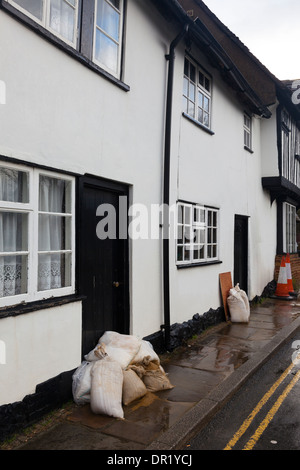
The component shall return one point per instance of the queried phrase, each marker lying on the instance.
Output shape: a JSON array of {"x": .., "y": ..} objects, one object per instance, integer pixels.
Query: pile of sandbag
[
  {"x": 119, "y": 370},
  {"x": 238, "y": 304}
]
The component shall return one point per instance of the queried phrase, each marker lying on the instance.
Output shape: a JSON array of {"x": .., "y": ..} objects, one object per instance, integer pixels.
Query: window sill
[
  {"x": 22, "y": 308},
  {"x": 44, "y": 33},
  {"x": 198, "y": 124},
  {"x": 195, "y": 265},
  {"x": 248, "y": 149}
]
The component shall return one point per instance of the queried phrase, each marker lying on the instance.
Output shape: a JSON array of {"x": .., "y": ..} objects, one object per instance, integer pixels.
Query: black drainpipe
[{"x": 166, "y": 188}]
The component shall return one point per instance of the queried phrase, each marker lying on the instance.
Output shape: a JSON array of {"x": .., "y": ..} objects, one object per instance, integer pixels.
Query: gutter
[{"x": 166, "y": 184}]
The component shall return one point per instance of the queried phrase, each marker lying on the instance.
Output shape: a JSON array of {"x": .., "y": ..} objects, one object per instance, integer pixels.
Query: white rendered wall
[
  {"x": 38, "y": 346},
  {"x": 217, "y": 171}
]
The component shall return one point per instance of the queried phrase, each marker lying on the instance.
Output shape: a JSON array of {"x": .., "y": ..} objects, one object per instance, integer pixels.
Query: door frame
[{"x": 122, "y": 190}]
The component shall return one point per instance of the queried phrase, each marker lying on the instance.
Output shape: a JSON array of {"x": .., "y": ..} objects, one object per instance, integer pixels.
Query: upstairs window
[
  {"x": 247, "y": 132},
  {"x": 58, "y": 16},
  {"x": 93, "y": 28},
  {"x": 108, "y": 33},
  {"x": 197, "y": 234},
  {"x": 197, "y": 93},
  {"x": 289, "y": 228}
]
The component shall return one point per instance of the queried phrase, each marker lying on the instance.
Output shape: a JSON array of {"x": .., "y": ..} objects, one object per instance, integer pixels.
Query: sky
[{"x": 269, "y": 28}]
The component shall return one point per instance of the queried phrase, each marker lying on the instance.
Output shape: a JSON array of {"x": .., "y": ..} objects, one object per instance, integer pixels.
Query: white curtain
[
  {"x": 13, "y": 272},
  {"x": 51, "y": 233}
]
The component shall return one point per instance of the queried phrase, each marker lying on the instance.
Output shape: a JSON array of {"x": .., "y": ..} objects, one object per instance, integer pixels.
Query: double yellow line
[{"x": 254, "y": 438}]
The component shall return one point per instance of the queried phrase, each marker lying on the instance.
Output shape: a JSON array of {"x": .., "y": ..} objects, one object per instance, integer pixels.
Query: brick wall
[{"x": 295, "y": 267}]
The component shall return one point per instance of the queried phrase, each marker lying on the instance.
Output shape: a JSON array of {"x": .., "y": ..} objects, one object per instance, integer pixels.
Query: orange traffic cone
[
  {"x": 282, "y": 289},
  {"x": 289, "y": 274}
]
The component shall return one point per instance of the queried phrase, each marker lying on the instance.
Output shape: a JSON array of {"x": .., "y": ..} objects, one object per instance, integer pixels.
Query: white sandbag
[
  {"x": 121, "y": 348},
  {"x": 81, "y": 383},
  {"x": 239, "y": 313},
  {"x": 244, "y": 297},
  {"x": 95, "y": 354},
  {"x": 133, "y": 387},
  {"x": 106, "y": 388},
  {"x": 146, "y": 350}
]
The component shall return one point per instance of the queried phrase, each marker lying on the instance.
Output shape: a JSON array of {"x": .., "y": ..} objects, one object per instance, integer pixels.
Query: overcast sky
[{"x": 269, "y": 28}]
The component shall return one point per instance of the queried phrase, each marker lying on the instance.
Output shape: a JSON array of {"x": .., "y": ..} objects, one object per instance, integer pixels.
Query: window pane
[
  {"x": 192, "y": 73},
  {"x": 180, "y": 253},
  {"x": 106, "y": 51},
  {"x": 191, "y": 92},
  {"x": 54, "y": 233},
  {"x": 54, "y": 195},
  {"x": 207, "y": 84},
  {"x": 13, "y": 275},
  {"x": 13, "y": 232},
  {"x": 62, "y": 18},
  {"x": 108, "y": 19},
  {"x": 191, "y": 109},
  {"x": 14, "y": 185},
  {"x": 185, "y": 86},
  {"x": 54, "y": 271},
  {"x": 205, "y": 104},
  {"x": 34, "y": 7},
  {"x": 206, "y": 119}
]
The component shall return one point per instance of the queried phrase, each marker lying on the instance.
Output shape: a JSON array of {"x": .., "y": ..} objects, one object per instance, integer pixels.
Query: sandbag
[
  {"x": 133, "y": 387},
  {"x": 95, "y": 354},
  {"x": 106, "y": 388},
  {"x": 121, "y": 348},
  {"x": 146, "y": 350},
  {"x": 81, "y": 383},
  {"x": 238, "y": 305},
  {"x": 156, "y": 380}
]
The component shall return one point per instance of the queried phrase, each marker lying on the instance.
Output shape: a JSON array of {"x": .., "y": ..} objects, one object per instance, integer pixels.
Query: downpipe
[{"x": 166, "y": 185}]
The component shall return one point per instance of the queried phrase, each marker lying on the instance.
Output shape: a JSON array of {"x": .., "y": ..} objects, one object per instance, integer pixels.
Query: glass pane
[
  {"x": 201, "y": 78},
  {"x": 206, "y": 119},
  {"x": 192, "y": 73},
  {"x": 185, "y": 86},
  {"x": 54, "y": 233},
  {"x": 187, "y": 215},
  {"x": 209, "y": 251},
  {"x": 179, "y": 253},
  {"x": 54, "y": 195},
  {"x": 205, "y": 104},
  {"x": 192, "y": 92},
  {"x": 200, "y": 115},
  {"x": 14, "y": 185},
  {"x": 186, "y": 67},
  {"x": 108, "y": 19},
  {"x": 62, "y": 18},
  {"x": 187, "y": 253},
  {"x": 184, "y": 104},
  {"x": 34, "y": 7},
  {"x": 13, "y": 275},
  {"x": 13, "y": 232},
  {"x": 106, "y": 51},
  {"x": 180, "y": 214},
  {"x": 191, "y": 109},
  {"x": 54, "y": 271},
  {"x": 207, "y": 84}
]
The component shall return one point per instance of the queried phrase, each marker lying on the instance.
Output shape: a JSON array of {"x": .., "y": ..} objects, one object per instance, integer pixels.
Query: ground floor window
[
  {"x": 289, "y": 228},
  {"x": 36, "y": 234},
  {"x": 197, "y": 233}
]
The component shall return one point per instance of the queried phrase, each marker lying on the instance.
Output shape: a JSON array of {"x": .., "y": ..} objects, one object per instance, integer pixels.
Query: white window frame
[
  {"x": 289, "y": 228},
  {"x": 197, "y": 92},
  {"x": 32, "y": 209},
  {"x": 247, "y": 131},
  {"x": 120, "y": 11},
  {"x": 197, "y": 234},
  {"x": 45, "y": 21}
]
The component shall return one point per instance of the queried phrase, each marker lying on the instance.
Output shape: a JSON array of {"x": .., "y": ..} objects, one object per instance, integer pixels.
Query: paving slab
[{"x": 205, "y": 374}]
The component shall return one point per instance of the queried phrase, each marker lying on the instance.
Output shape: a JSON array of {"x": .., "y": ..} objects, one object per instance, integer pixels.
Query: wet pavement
[{"x": 205, "y": 374}]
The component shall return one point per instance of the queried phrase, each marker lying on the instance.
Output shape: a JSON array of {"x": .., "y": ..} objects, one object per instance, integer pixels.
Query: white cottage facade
[{"x": 110, "y": 109}]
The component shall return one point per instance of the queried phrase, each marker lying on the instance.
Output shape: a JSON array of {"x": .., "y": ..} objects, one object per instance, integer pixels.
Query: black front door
[
  {"x": 241, "y": 252},
  {"x": 103, "y": 262}
]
